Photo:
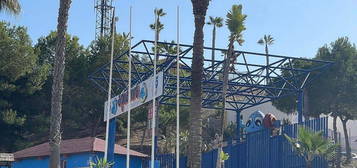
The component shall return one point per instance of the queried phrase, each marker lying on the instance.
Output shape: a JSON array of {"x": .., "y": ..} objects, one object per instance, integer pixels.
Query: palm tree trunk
[
  {"x": 347, "y": 142},
  {"x": 224, "y": 93},
  {"x": 57, "y": 85},
  {"x": 195, "y": 138},
  {"x": 168, "y": 140},
  {"x": 213, "y": 46},
  {"x": 308, "y": 164},
  {"x": 143, "y": 137},
  {"x": 157, "y": 36},
  {"x": 267, "y": 61}
]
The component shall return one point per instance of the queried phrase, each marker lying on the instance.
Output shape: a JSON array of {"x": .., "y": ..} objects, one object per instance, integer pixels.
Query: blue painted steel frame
[
  {"x": 300, "y": 105},
  {"x": 111, "y": 139},
  {"x": 251, "y": 80},
  {"x": 247, "y": 86}
]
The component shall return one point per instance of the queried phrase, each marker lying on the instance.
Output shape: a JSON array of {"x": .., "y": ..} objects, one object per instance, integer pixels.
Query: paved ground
[{"x": 353, "y": 165}]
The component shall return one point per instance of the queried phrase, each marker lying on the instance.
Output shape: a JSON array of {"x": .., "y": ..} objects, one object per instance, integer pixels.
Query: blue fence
[
  {"x": 289, "y": 158},
  {"x": 260, "y": 150}
]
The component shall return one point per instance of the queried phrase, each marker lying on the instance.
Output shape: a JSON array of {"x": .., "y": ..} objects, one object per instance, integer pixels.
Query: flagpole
[
  {"x": 178, "y": 91},
  {"x": 129, "y": 97},
  {"x": 154, "y": 100},
  {"x": 109, "y": 88}
]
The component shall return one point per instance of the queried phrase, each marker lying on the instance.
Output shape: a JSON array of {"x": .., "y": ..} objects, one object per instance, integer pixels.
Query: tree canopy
[
  {"x": 21, "y": 75},
  {"x": 25, "y": 89},
  {"x": 335, "y": 90},
  {"x": 235, "y": 23}
]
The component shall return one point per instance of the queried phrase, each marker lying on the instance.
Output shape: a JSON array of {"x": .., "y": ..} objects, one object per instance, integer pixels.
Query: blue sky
[{"x": 299, "y": 27}]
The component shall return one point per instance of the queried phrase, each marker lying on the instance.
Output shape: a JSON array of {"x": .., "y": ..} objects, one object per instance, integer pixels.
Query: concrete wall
[{"x": 352, "y": 132}]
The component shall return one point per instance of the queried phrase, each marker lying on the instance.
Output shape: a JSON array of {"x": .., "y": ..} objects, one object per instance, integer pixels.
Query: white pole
[
  {"x": 129, "y": 98},
  {"x": 109, "y": 104},
  {"x": 154, "y": 101},
  {"x": 178, "y": 92}
]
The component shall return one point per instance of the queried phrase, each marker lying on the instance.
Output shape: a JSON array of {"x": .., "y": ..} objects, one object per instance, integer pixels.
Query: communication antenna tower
[{"x": 104, "y": 11}]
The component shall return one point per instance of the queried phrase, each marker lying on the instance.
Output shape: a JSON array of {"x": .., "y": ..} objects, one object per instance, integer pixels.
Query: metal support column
[
  {"x": 111, "y": 139},
  {"x": 156, "y": 146},
  {"x": 238, "y": 120},
  {"x": 300, "y": 105}
]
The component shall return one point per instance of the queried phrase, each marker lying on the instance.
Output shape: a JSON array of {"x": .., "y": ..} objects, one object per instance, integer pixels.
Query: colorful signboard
[{"x": 140, "y": 94}]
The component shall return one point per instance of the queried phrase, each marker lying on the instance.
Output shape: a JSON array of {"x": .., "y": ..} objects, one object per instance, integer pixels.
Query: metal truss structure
[
  {"x": 251, "y": 80},
  {"x": 104, "y": 11}
]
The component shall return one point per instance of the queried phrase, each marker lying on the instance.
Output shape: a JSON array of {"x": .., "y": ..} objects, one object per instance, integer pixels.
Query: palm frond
[
  {"x": 100, "y": 163},
  {"x": 267, "y": 39},
  {"x": 159, "y": 12},
  {"x": 160, "y": 26},
  {"x": 152, "y": 26},
  {"x": 215, "y": 21},
  {"x": 311, "y": 144},
  {"x": 211, "y": 19},
  {"x": 11, "y": 6},
  {"x": 261, "y": 41},
  {"x": 235, "y": 21},
  {"x": 218, "y": 21}
]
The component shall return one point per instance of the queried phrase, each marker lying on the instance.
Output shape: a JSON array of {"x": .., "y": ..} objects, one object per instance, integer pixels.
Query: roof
[{"x": 71, "y": 146}]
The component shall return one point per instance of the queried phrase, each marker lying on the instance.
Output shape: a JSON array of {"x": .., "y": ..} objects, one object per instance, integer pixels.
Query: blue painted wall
[
  {"x": 120, "y": 160},
  {"x": 3, "y": 167},
  {"x": 78, "y": 161}
]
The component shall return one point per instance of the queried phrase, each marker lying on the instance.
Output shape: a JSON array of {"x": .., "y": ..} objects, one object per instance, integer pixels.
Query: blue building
[{"x": 75, "y": 153}]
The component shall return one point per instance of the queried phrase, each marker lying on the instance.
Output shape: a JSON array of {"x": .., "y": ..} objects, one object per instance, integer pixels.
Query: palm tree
[
  {"x": 57, "y": 85},
  {"x": 216, "y": 22},
  {"x": 310, "y": 145},
  {"x": 199, "y": 8},
  {"x": 11, "y": 6},
  {"x": 267, "y": 40},
  {"x": 235, "y": 22},
  {"x": 159, "y": 13},
  {"x": 100, "y": 163},
  {"x": 169, "y": 48}
]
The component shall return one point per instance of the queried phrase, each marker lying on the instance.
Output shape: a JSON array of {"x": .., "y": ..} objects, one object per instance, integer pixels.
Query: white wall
[
  {"x": 350, "y": 125},
  {"x": 265, "y": 108}
]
